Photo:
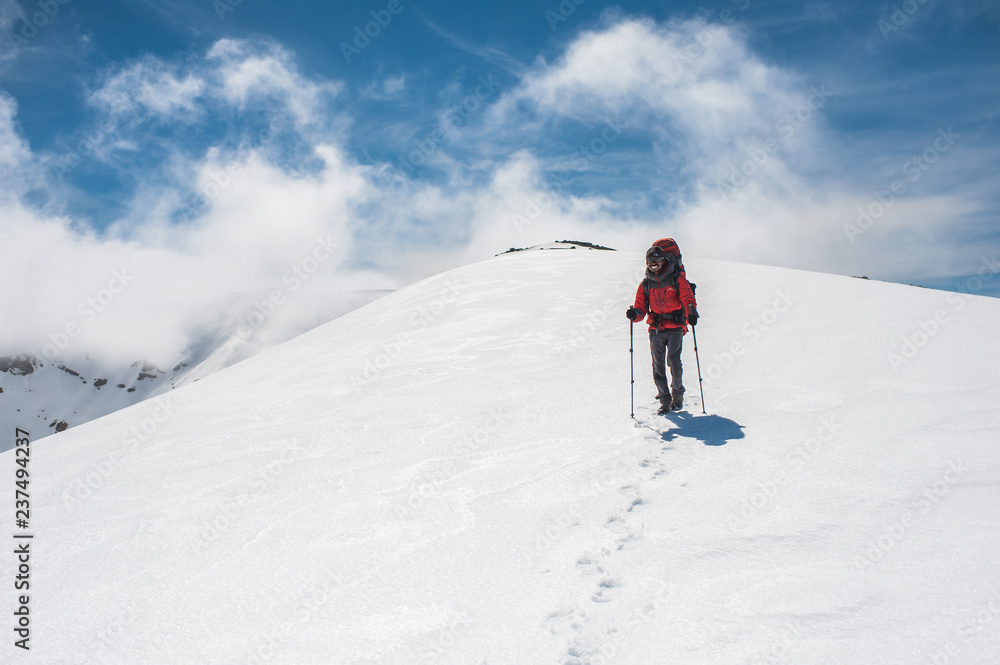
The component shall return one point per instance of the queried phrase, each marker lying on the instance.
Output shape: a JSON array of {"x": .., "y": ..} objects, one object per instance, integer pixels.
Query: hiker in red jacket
[{"x": 666, "y": 300}]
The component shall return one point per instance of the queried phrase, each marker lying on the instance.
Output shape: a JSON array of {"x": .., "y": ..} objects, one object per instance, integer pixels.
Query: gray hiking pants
[{"x": 665, "y": 347}]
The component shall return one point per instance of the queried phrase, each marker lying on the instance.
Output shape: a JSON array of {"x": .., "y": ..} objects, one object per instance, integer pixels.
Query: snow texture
[
  {"x": 450, "y": 475},
  {"x": 49, "y": 393}
]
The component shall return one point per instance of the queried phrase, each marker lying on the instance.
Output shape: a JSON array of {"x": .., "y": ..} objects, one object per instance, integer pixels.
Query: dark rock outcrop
[
  {"x": 59, "y": 425},
  {"x": 18, "y": 365}
]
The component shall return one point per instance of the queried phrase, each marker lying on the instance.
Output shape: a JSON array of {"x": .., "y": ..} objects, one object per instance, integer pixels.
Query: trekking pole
[
  {"x": 698, "y": 363},
  {"x": 631, "y": 355}
]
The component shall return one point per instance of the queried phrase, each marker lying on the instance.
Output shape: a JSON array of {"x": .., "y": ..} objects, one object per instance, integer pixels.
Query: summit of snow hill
[
  {"x": 450, "y": 474},
  {"x": 559, "y": 244}
]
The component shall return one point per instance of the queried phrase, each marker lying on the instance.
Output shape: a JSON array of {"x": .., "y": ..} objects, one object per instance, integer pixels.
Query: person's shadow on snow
[{"x": 711, "y": 429}]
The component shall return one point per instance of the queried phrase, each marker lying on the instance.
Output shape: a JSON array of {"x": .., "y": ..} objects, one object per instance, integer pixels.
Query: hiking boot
[
  {"x": 664, "y": 408},
  {"x": 677, "y": 401}
]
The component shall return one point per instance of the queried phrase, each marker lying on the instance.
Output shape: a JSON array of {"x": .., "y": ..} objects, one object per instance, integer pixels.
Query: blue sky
[{"x": 206, "y": 146}]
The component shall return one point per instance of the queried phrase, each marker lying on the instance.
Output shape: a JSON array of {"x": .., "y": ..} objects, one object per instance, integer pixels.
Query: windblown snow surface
[{"x": 451, "y": 475}]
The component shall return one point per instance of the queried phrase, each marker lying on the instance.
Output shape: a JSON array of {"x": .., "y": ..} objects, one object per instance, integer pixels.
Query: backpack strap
[{"x": 676, "y": 316}]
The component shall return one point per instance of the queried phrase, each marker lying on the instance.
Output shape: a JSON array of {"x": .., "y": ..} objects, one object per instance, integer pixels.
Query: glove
[
  {"x": 632, "y": 314},
  {"x": 692, "y": 315}
]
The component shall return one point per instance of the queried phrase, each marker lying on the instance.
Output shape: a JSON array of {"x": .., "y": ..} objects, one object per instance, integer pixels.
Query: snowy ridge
[
  {"x": 451, "y": 475},
  {"x": 49, "y": 393}
]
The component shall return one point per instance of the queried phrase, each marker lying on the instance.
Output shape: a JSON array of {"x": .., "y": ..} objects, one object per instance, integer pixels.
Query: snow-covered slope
[
  {"x": 51, "y": 394},
  {"x": 451, "y": 475}
]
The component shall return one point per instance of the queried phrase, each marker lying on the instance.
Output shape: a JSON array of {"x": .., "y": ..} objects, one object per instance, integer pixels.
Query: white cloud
[
  {"x": 234, "y": 75},
  {"x": 152, "y": 87},
  {"x": 696, "y": 92},
  {"x": 14, "y": 152},
  {"x": 245, "y": 70},
  {"x": 695, "y": 82},
  {"x": 265, "y": 230},
  {"x": 141, "y": 287},
  {"x": 741, "y": 147}
]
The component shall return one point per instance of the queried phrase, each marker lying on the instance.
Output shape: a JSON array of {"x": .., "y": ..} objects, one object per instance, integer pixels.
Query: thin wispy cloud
[{"x": 490, "y": 54}]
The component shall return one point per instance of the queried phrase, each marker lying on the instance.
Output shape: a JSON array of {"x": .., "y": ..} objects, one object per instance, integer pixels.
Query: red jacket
[{"x": 665, "y": 299}]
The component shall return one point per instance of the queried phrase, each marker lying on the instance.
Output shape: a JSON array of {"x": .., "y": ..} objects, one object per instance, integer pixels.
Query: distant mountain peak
[{"x": 20, "y": 365}]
